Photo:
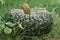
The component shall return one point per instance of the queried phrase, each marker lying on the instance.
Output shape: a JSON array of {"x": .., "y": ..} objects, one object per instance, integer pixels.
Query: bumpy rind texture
[{"x": 40, "y": 21}]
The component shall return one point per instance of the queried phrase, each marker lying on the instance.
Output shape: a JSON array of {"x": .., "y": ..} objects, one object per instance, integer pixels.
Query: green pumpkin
[{"x": 37, "y": 22}]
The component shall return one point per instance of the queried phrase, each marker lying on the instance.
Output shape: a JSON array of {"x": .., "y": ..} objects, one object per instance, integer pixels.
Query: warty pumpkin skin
[
  {"x": 37, "y": 23},
  {"x": 30, "y": 22}
]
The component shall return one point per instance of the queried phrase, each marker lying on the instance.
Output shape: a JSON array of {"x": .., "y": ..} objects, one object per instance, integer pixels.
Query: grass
[{"x": 52, "y": 6}]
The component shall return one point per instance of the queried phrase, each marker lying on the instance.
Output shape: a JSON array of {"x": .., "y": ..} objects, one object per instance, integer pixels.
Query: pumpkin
[{"x": 32, "y": 22}]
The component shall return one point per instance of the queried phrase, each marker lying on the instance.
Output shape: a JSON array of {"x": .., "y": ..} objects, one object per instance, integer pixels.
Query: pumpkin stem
[{"x": 25, "y": 7}]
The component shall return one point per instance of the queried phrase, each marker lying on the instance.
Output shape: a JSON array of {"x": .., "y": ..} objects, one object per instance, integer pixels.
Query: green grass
[{"x": 52, "y": 6}]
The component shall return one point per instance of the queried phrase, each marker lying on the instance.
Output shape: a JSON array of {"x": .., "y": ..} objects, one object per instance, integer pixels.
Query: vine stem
[{"x": 25, "y": 8}]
